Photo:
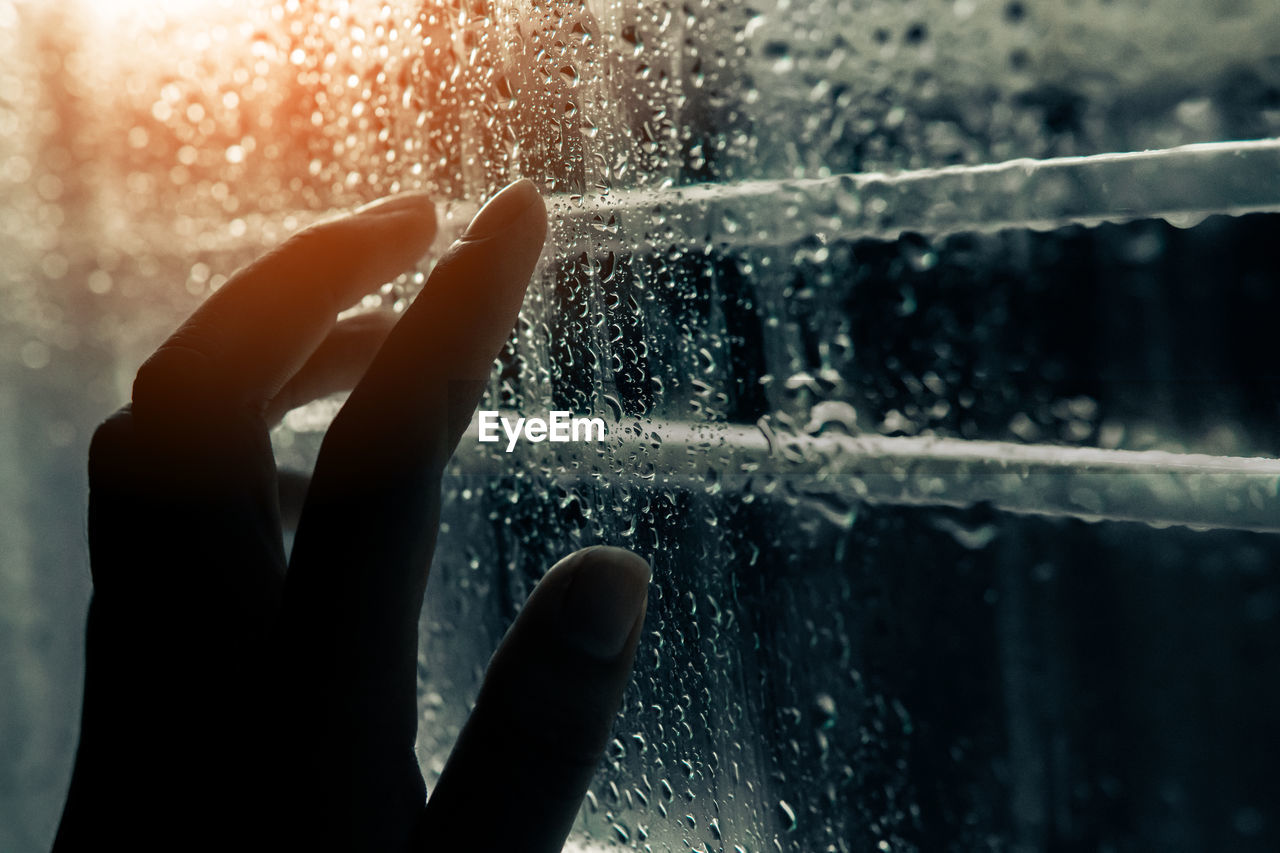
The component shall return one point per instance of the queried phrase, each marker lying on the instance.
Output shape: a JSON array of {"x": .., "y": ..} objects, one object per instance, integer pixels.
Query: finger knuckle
[
  {"x": 111, "y": 443},
  {"x": 169, "y": 373}
]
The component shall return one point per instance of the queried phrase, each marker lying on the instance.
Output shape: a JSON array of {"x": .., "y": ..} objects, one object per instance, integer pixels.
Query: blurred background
[{"x": 935, "y": 339}]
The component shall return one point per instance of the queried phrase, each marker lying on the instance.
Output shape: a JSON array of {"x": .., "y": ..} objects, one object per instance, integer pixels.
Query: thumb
[{"x": 545, "y": 711}]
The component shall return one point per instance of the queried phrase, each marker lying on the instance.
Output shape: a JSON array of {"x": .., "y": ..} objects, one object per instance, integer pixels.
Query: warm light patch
[{"x": 172, "y": 10}]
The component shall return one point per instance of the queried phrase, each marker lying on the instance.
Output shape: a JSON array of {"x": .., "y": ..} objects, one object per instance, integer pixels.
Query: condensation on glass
[{"x": 933, "y": 337}]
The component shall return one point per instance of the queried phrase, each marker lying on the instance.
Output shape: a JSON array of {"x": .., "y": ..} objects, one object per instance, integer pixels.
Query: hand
[{"x": 239, "y": 700}]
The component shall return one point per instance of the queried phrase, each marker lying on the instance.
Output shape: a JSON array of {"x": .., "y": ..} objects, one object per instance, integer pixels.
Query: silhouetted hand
[{"x": 238, "y": 701}]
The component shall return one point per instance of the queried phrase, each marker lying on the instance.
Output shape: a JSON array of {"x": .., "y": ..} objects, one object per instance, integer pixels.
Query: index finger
[{"x": 358, "y": 570}]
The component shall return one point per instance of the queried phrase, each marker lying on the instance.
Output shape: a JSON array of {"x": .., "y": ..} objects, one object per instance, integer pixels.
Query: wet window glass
[{"x": 933, "y": 340}]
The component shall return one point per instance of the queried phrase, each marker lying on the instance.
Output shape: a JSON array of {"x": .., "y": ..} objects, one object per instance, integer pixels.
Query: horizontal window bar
[
  {"x": 1154, "y": 487},
  {"x": 1183, "y": 185}
]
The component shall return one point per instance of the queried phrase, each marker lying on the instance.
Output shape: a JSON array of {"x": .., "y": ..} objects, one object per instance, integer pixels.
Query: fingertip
[
  {"x": 517, "y": 205},
  {"x": 606, "y": 597},
  {"x": 408, "y": 217},
  {"x": 415, "y": 203}
]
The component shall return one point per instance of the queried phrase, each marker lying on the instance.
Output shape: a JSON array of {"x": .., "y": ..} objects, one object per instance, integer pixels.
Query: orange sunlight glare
[{"x": 173, "y": 9}]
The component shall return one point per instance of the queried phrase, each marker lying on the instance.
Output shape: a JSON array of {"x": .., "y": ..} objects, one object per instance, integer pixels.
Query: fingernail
[
  {"x": 399, "y": 203},
  {"x": 605, "y": 598},
  {"x": 501, "y": 210}
]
